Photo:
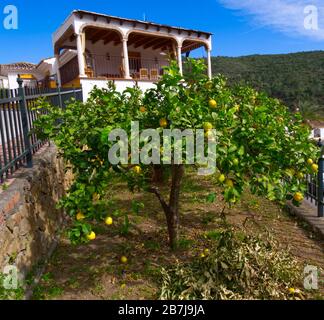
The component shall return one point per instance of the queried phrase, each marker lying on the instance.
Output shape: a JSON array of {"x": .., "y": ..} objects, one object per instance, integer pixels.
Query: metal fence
[
  {"x": 17, "y": 141},
  {"x": 315, "y": 188}
]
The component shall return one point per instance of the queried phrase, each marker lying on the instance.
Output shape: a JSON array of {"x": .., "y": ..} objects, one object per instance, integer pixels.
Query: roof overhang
[{"x": 80, "y": 20}]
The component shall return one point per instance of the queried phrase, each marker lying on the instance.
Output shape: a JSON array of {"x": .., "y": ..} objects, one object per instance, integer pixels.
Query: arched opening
[
  {"x": 197, "y": 50},
  {"x": 149, "y": 54},
  {"x": 103, "y": 53}
]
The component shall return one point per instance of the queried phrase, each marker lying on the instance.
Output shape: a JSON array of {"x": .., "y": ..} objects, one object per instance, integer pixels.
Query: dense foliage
[
  {"x": 260, "y": 144},
  {"x": 237, "y": 266},
  {"x": 297, "y": 79}
]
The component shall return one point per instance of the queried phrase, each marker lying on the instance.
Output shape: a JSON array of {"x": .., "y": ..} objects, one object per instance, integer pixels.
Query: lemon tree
[{"x": 261, "y": 146}]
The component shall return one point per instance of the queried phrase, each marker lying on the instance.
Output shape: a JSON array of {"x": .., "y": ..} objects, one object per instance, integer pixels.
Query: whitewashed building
[
  {"x": 317, "y": 129},
  {"x": 33, "y": 75},
  {"x": 92, "y": 48}
]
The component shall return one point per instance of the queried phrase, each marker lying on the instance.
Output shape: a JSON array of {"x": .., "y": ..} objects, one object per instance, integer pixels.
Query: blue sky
[{"x": 240, "y": 27}]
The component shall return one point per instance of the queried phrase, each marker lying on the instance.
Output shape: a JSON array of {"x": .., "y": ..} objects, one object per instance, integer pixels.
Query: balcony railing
[{"x": 112, "y": 67}]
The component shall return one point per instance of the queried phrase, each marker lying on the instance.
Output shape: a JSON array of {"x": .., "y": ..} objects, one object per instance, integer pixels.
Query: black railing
[
  {"x": 112, "y": 67},
  {"x": 18, "y": 143},
  {"x": 315, "y": 188}
]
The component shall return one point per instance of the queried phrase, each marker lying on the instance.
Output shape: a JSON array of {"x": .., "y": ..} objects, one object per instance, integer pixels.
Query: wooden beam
[
  {"x": 98, "y": 36},
  {"x": 90, "y": 32},
  {"x": 141, "y": 41},
  {"x": 161, "y": 44},
  {"x": 113, "y": 37},
  {"x": 133, "y": 39},
  {"x": 72, "y": 37},
  {"x": 153, "y": 42},
  {"x": 192, "y": 46}
]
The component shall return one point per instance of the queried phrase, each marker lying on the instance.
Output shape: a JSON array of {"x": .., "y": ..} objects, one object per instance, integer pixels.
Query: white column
[
  {"x": 80, "y": 56},
  {"x": 180, "y": 59},
  {"x": 209, "y": 68},
  {"x": 58, "y": 74},
  {"x": 126, "y": 61}
]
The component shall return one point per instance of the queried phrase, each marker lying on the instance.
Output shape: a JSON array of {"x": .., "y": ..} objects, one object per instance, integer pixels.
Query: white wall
[
  {"x": 4, "y": 83},
  {"x": 12, "y": 81},
  {"x": 121, "y": 85},
  {"x": 315, "y": 131}
]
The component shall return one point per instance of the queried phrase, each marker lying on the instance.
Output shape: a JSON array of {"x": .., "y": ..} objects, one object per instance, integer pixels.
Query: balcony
[{"x": 111, "y": 67}]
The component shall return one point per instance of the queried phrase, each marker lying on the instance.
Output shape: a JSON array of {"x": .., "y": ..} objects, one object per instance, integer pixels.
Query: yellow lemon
[
  {"x": 229, "y": 183},
  {"x": 300, "y": 175},
  {"x": 212, "y": 103},
  {"x": 163, "y": 123},
  {"x": 109, "y": 221},
  {"x": 91, "y": 236},
  {"x": 208, "y": 126},
  {"x": 237, "y": 108},
  {"x": 137, "y": 169},
  {"x": 292, "y": 290},
  {"x": 202, "y": 255},
  {"x": 310, "y": 161},
  {"x": 298, "y": 196},
  {"x": 221, "y": 178},
  {"x": 314, "y": 167},
  {"x": 206, "y": 251},
  {"x": 142, "y": 109},
  {"x": 123, "y": 260},
  {"x": 96, "y": 197},
  {"x": 80, "y": 216}
]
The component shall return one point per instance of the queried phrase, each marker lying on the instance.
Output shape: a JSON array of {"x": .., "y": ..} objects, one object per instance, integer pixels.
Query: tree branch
[{"x": 156, "y": 191}]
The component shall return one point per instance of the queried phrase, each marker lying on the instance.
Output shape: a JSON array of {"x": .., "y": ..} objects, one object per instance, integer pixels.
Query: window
[{"x": 317, "y": 133}]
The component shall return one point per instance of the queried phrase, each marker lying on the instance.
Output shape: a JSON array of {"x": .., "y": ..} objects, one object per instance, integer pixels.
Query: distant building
[
  {"x": 33, "y": 75},
  {"x": 317, "y": 129}
]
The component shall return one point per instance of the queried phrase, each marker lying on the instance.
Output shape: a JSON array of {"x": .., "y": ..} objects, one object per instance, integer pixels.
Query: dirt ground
[{"x": 94, "y": 271}]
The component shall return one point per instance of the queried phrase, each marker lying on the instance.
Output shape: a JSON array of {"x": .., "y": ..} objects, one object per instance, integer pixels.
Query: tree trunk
[
  {"x": 157, "y": 174},
  {"x": 173, "y": 216},
  {"x": 171, "y": 210}
]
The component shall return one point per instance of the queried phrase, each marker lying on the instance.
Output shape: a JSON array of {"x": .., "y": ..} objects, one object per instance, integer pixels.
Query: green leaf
[{"x": 211, "y": 197}]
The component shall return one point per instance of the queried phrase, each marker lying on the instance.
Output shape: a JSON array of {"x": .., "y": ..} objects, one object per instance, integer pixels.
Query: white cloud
[{"x": 286, "y": 16}]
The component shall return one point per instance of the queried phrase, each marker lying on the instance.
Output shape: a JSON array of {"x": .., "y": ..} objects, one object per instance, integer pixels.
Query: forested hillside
[{"x": 297, "y": 79}]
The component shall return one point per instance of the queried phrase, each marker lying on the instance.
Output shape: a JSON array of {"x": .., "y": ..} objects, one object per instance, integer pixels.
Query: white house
[
  {"x": 317, "y": 128},
  {"x": 4, "y": 83},
  {"x": 33, "y": 75},
  {"x": 91, "y": 48}
]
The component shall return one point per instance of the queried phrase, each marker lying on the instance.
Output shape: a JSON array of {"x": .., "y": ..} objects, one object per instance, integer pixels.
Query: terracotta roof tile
[{"x": 18, "y": 66}]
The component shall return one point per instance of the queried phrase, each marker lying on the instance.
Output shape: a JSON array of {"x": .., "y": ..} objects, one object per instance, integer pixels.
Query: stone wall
[{"x": 29, "y": 220}]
